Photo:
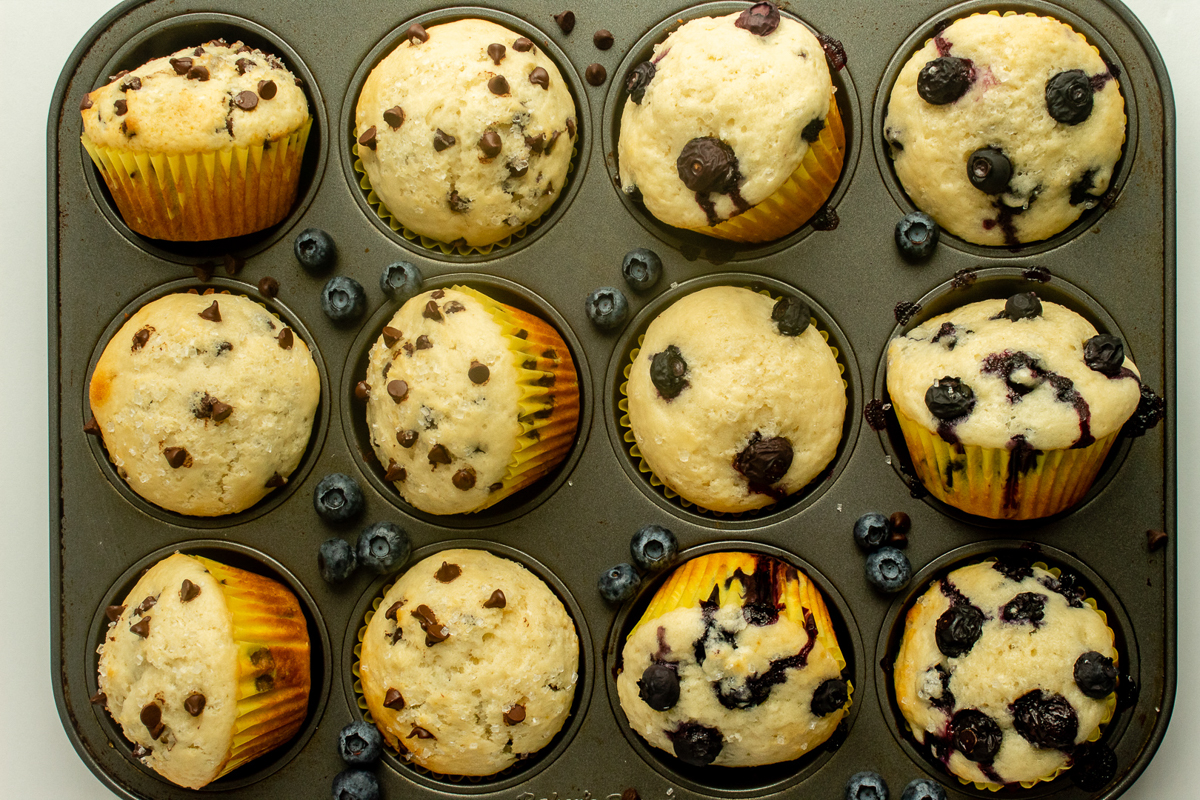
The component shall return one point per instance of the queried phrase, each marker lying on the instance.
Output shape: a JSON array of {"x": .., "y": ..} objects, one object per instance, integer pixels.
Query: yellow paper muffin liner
[
  {"x": 273, "y": 683},
  {"x": 1110, "y": 703},
  {"x": 800, "y": 196},
  {"x": 449, "y": 248},
  {"x": 203, "y": 196},
  {"x": 636, "y": 453},
  {"x": 976, "y": 479}
]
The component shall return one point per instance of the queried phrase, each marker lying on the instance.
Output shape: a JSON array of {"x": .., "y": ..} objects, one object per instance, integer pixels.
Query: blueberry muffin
[
  {"x": 735, "y": 400},
  {"x": 469, "y": 400},
  {"x": 469, "y": 663},
  {"x": 1005, "y": 128},
  {"x": 1009, "y": 407},
  {"x": 204, "y": 667},
  {"x": 1003, "y": 671},
  {"x": 731, "y": 128},
  {"x": 465, "y": 132},
  {"x": 205, "y": 143},
  {"x": 205, "y": 402},
  {"x": 734, "y": 663}
]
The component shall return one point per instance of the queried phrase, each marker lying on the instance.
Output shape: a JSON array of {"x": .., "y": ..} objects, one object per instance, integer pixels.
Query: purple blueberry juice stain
[
  {"x": 1006, "y": 363},
  {"x": 757, "y": 688}
]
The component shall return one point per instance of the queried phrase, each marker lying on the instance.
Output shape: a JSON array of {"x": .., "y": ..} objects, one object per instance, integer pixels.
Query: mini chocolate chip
[
  {"x": 233, "y": 264},
  {"x": 98, "y": 699},
  {"x": 420, "y": 733},
  {"x": 114, "y": 612},
  {"x": 118, "y": 76},
  {"x": 268, "y": 287},
  {"x": 1156, "y": 540},
  {"x": 431, "y": 312},
  {"x": 571, "y": 127},
  {"x": 764, "y": 461},
  {"x": 391, "y": 335},
  {"x": 150, "y": 602},
  {"x": 86, "y": 102},
  {"x": 120, "y": 108},
  {"x": 369, "y": 138},
  {"x": 522, "y": 45},
  {"x": 395, "y": 472},
  {"x": 212, "y": 313},
  {"x": 498, "y": 85},
  {"x": 536, "y": 144},
  {"x": 285, "y": 339},
  {"x": 539, "y": 77},
  {"x": 901, "y": 523},
  {"x": 638, "y": 80},
  {"x": 203, "y": 272},
  {"x": 188, "y": 592},
  {"x": 275, "y": 481},
  {"x": 447, "y": 572},
  {"x": 438, "y": 454},
  {"x": 478, "y": 373},
  {"x": 198, "y": 73},
  {"x": 792, "y": 316},
  {"x": 496, "y": 600},
  {"x": 514, "y": 715},
  {"x": 394, "y": 117},
  {"x": 140, "y": 338},
  {"x": 393, "y": 700},
  {"x": 407, "y": 438},
  {"x": 182, "y": 65},
  {"x": 761, "y": 19},
  {"x": 267, "y": 89},
  {"x": 496, "y": 53},
  {"x": 464, "y": 479},
  {"x": 495, "y": 487},
  {"x": 141, "y": 627},
  {"x": 362, "y": 390},
  {"x": 602, "y": 39},
  {"x": 434, "y": 631},
  {"x": 458, "y": 204},
  {"x": 630, "y": 794},
  {"x": 949, "y": 399},
  {"x": 398, "y": 390},
  {"x": 667, "y": 372},
  {"x": 596, "y": 74},
  {"x": 438, "y": 294},
  {"x": 132, "y": 85},
  {"x": 151, "y": 717},
  {"x": 416, "y": 33},
  {"x": 393, "y": 610},
  {"x": 566, "y": 21},
  {"x": 453, "y": 307},
  {"x": 442, "y": 140},
  {"x": 177, "y": 457},
  {"x": 246, "y": 101},
  {"x": 221, "y": 411},
  {"x": 199, "y": 51},
  {"x": 92, "y": 427},
  {"x": 243, "y": 65},
  {"x": 706, "y": 164},
  {"x": 195, "y": 703},
  {"x": 490, "y": 144}
]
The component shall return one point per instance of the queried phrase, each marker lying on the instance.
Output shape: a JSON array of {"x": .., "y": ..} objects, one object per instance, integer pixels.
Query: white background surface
[{"x": 36, "y": 760}]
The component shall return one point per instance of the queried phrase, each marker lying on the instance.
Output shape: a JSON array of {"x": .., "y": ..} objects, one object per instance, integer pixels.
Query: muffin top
[
  {"x": 198, "y": 100},
  {"x": 465, "y": 132},
  {"x": 721, "y": 116},
  {"x": 999, "y": 371},
  {"x": 1005, "y": 128},
  {"x": 740, "y": 671},
  {"x": 735, "y": 399},
  {"x": 469, "y": 663},
  {"x": 1006, "y": 668},
  {"x": 205, "y": 402},
  {"x": 169, "y": 660}
]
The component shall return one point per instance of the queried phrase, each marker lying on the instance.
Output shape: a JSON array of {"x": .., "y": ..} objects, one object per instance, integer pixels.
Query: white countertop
[{"x": 36, "y": 759}]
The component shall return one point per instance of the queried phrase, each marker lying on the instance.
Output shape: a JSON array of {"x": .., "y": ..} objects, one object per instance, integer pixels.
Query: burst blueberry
[
  {"x": 653, "y": 547},
  {"x": 607, "y": 308},
  {"x": 360, "y": 743},
  {"x": 382, "y": 546},
  {"x": 343, "y": 299},
  {"x": 866, "y": 785},
  {"x": 1045, "y": 720},
  {"x": 315, "y": 250},
  {"x": 923, "y": 789},
  {"x": 975, "y": 735},
  {"x": 888, "y": 569},
  {"x": 400, "y": 280},
  {"x": 871, "y": 530},
  {"x": 642, "y": 268},
  {"x": 957, "y": 630},
  {"x": 618, "y": 583},
  {"x": 917, "y": 235},
  {"x": 338, "y": 498},
  {"x": 336, "y": 560},
  {"x": 355, "y": 784}
]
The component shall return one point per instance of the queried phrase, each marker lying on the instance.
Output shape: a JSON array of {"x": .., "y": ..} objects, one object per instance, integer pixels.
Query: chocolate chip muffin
[
  {"x": 1009, "y": 407},
  {"x": 1005, "y": 128},
  {"x": 731, "y": 128},
  {"x": 1003, "y": 671},
  {"x": 204, "y": 667},
  {"x": 469, "y": 663},
  {"x": 465, "y": 132},
  {"x": 735, "y": 399},
  {"x": 205, "y": 143},
  {"x": 468, "y": 400},
  {"x": 735, "y": 663},
  {"x": 205, "y": 402}
]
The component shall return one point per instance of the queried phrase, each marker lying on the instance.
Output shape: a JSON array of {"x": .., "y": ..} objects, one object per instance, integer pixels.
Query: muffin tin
[{"x": 1116, "y": 266}]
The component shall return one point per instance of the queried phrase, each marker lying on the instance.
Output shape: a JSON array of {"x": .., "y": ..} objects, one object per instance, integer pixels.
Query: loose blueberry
[
  {"x": 1105, "y": 354},
  {"x": 944, "y": 80},
  {"x": 888, "y": 569},
  {"x": 958, "y": 629},
  {"x": 1045, "y": 720},
  {"x": 696, "y": 744},
  {"x": 653, "y": 547},
  {"x": 791, "y": 315},
  {"x": 360, "y": 743},
  {"x": 383, "y": 546},
  {"x": 607, "y": 308},
  {"x": 917, "y": 235},
  {"x": 871, "y": 530},
  {"x": 343, "y": 299},
  {"x": 355, "y": 784},
  {"x": 315, "y": 250},
  {"x": 618, "y": 584},
  {"x": 400, "y": 280},
  {"x": 1024, "y": 305},
  {"x": 1095, "y": 675},
  {"x": 923, "y": 789},
  {"x": 989, "y": 170},
  {"x": 829, "y": 697},
  {"x": 668, "y": 372},
  {"x": 336, "y": 560},
  {"x": 338, "y": 498},
  {"x": 1069, "y": 97},
  {"x": 642, "y": 268},
  {"x": 949, "y": 399},
  {"x": 975, "y": 735},
  {"x": 866, "y": 785},
  {"x": 1025, "y": 607},
  {"x": 659, "y": 686}
]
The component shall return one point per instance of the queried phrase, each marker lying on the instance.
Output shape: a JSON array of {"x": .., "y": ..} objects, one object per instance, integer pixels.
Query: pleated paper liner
[
  {"x": 636, "y": 453},
  {"x": 450, "y": 248},
  {"x": 800, "y": 196},
  {"x": 988, "y": 482},
  {"x": 204, "y": 196},
  {"x": 274, "y": 681}
]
